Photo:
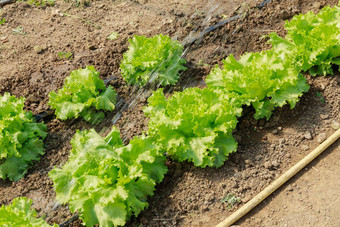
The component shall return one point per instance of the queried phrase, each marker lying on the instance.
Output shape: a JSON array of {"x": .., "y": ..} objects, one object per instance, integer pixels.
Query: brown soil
[{"x": 31, "y": 67}]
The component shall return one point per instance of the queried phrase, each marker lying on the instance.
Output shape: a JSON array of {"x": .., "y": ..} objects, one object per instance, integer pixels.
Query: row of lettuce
[
  {"x": 84, "y": 95},
  {"x": 108, "y": 182}
]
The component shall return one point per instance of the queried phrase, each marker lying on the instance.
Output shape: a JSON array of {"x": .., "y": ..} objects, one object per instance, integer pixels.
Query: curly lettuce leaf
[
  {"x": 82, "y": 95},
  {"x": 194, "y": 125},
  {"x": 106, "y": 181},
  {"x": 19, "y": 213},
  {"x": 156, "y": 59},
  {"x": 263, "y": 80},
  {"x": 20, "y": 138},
  {"x": 312, "y": 41}
]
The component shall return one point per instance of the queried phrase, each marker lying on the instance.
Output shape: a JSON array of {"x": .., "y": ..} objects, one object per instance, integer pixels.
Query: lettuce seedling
[
  {"x": 83, "y": 94},
  {"x": 106, "y": 181},
  {"x": 155, "y": 60},
  {"x": 194, "y": 125},
  {"x": 21, "y": 138},
  {"x": 312, "y": 41},
  {"x": 263, "y": 80},
  {"x": 19, "y": 213}
]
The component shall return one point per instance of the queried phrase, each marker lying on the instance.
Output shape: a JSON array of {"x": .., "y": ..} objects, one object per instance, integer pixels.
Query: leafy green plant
[
  {"x": 262, "y": 80},
  {"x": 319, "y": 95},
  {"x": 64, "y": 55},
  {"x": 113, "y": 36},
  {"x": 2, "y": 21},
  {"x": 194, "y": 125},
  {"x": 230, "y": 200},
  {"x": 19, "y": 30},
  {"x": 83, "y": 94},
  {"x": 157, "y": 59},
  {"x": 312, "y": 41},
  {"x": 106, "y": 181},
  {"x": 39, "y": 2},
  {"x": 20, "y": 138},
  {"x": 19, "y": 213}
]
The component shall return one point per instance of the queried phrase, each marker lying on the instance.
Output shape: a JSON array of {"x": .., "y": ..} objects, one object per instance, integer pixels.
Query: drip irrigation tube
[
  {"x": 69, "y": 221},
  {"x": 6, "y": 2},
  {"x": 264, "y": 3},
  {"x": 219, "y": 24},
  {"x": 207, "y": 30},
  {"x": 280, "y": 181}
]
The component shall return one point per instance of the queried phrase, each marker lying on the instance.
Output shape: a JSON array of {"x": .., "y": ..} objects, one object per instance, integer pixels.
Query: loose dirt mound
[{"x": 34, "y": 37}]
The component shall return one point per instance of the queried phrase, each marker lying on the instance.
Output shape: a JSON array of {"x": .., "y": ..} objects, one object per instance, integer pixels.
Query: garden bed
[{"x": 32, "y": 64}]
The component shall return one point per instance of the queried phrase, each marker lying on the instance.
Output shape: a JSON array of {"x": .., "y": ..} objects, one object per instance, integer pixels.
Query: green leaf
[
  {"x": 190, "y": 125},
  {"x": 106, "y": 181},
  {"x": 113, "y": 36},
  {"x": 156, "y": 59},
  {"x": 264, "y": 80},
  {"x": 82, "y": 95},
  {"x": 19, "y": 213},
  {"x": 20, "y": 138}
]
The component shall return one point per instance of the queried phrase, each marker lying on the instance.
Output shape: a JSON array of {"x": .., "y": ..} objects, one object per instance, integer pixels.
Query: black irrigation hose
[
  {"x": 219, "y": 24},
  {"x": 43, "y": 115},
  {"x": 6, "y": 2},
  {"x": 264, "y": 3},
  {"x": 211, "y": 28},
  {"x": 69, "y": 221}
]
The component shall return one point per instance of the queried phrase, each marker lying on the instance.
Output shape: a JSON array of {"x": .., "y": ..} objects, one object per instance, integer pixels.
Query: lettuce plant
[
  {"x": 263, "y": 80},
  {"x": 82, "y": 95},
  {"x": 312, "y": 41},
  {"x": 194, "y": 125},
  {"x": 156, "y": 59},
  {"x": 21, "y": 138},
  {"x": 106, "y": 181},
  {"x": 19, "y": 213}
]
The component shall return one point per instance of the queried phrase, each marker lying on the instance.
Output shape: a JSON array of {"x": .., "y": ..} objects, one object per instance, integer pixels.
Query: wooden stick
[{"x": 280, "y": 181}]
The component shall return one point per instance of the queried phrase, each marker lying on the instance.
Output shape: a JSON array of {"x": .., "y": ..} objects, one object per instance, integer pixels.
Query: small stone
[
  {"x": 305, "y": 147},
  {"x": 246, "y": 199},
  {"x": 289, "y": 188},
  {"x": 335, "y": 125},
  {"x": 92, "y": 47},
  {"x": 275, "y": 163},
  {"x": 321, "y": 137},
  {"x": 38, "y": 49},
  {"x": 276, "y": 118},
  {"x": 317, "y": 5},
  {"x": 236, "y": 175},
  {"x": 258, "y": 157},
  {"x": 32, "y": 98},
  {"x": 279, "y": 128},
  {"x": 323, "y": 116},
  {"x": 4, "y": 39},
  {"x": 144, "y": 220},
  {"x": 275, "y": 131},
  {"x": 308, "y": 135},
  {"x": 261, "y": 122},
  {"x": 267, "y": 165}
]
